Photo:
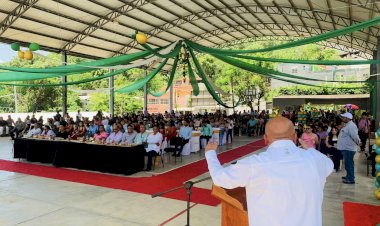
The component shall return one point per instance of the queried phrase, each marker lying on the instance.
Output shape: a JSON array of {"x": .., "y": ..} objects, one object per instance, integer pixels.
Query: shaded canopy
[{"x": 101, "y": 29}]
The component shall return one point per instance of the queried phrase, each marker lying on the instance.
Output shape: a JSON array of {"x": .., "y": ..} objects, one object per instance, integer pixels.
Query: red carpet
[
  {"x": 356, "y": 214},
  {"x": 145, "y": 185}
]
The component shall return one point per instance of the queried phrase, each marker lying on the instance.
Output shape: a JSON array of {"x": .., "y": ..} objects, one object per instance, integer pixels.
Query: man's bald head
[{"x": 279, "y": 128}]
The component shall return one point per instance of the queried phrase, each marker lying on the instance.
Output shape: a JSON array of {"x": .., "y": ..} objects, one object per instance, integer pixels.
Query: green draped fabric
[
  {"x": 265, "y": 71},
  {"x": 314, "y": 39},
  {"x": 77, "y": 68},
  {"x": 140, "y": 83},
  {"x": 204, "y": 79},
  {"x": 171, "y": 54},
  {"x": 69, "y": 83},
  {"x": 170, "y": 82},
  {"x": 317, "y": 62},
  {"x": 193, "y": 79}
]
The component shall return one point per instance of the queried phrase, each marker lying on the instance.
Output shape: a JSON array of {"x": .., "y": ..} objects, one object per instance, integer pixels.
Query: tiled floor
[{"x": 35, "y": 201}]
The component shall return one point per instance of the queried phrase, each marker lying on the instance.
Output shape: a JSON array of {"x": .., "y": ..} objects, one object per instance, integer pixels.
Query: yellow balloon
[
  {"x": 377, "y": 174},
  {"x": 141, "y": 38},
  {"x": 376, "y": 192},
  {"x": 377, "y": 159},
  {"x": 28, "y": 55},
  {"x": 378, "y": 141},
  {"x": 20, "y": 54}
]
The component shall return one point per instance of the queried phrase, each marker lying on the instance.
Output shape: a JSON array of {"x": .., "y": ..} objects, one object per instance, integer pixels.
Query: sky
[{"x": 6, "y": 53}]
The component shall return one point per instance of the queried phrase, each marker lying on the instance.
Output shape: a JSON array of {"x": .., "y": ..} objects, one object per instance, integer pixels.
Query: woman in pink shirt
[
  {"x": 309, "y": 137},
  {"x": 101, "y": 135}
]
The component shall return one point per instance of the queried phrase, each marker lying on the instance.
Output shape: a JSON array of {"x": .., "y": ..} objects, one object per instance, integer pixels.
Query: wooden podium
[{"x": 234, "y": 205}]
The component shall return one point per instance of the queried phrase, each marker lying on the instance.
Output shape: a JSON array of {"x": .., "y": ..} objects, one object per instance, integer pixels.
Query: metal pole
[
  {"x": 232, "y": 92},
  {"x": 171, "y": 99},
  {"x": 112, "y": 94},
  {"x": 64, "y": 87},
  {"x": 377, "y": 85},
  {"x": 145, "y": 96},
  {"x": 15, "y": 96}
]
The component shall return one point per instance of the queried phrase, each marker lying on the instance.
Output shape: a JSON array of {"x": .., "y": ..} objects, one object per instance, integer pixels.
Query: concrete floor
[{"x": 34, "y": 201}]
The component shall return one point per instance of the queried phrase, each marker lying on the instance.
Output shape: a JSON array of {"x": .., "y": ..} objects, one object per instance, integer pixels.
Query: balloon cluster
[
  {"x": 28, "y": 54},
  {"x": 141, "y": 38},
  {"x": 301, "y": 116},
  {"x": 376, "y": 147}
]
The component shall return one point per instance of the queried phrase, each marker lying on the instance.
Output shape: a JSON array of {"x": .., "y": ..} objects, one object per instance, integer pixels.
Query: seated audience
[
  {"x": 142, "y": 136},
  {"x": 116, "y": 136},
  {"x": 47, "y": 132},
  {"x": 129, "y": 135},
  {"x": 36, "y": 130},
  {"x": 154, "y": 141},
  {"x": 101, "y": 135},
  {"x": 62, "y": 133}
]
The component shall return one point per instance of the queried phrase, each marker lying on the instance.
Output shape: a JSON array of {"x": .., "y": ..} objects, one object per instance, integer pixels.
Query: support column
[
  {"x": 145, "y": 95},
  {"x": 377, "y": 86},
  {"x": 171, "y": 99},
  {"x": 232, "y": 94},
  {"x": 64, "y": 87},
  {"x": 112, "y": 94}
]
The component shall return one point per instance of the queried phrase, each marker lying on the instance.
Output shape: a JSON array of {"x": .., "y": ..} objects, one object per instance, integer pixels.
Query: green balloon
[
  {"x": 378, "y": 179},
  {"x": 377, "y": 150},
  {"x": 377, "y": 166},
  {"x": 15, "y": 46},
  {"x": 133, "y": 36},
  {"x": 34, "y": 46},
  {"x": 377, "y": 184}
]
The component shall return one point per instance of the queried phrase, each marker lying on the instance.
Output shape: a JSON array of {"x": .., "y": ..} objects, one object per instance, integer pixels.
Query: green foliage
[
  {"x": 328, "y": 90},
  {"x": 50, "y": 98}
]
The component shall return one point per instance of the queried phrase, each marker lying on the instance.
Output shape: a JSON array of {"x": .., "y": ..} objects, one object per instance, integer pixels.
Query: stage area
[{"x": 27, "y": 200}]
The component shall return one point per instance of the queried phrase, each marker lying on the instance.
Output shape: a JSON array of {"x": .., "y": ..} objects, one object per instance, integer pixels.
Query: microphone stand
[{"x": 187, "y": 185}]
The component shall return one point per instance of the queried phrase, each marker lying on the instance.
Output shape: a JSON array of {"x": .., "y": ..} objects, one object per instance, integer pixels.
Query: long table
[{"x": 88, "y": 156}]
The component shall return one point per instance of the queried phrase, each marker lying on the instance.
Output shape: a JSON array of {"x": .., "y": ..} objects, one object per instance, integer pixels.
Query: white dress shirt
[
  {"x": 284, "y": 184},
  {"x": 152, "y": 141}
]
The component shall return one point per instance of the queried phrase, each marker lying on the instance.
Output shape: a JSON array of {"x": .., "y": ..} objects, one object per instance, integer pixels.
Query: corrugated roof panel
[
  {"x": 111, "y": 36},
  {"x": 54, "y": 19},
  {"x": 44, "y": 29},
  {"x": 111, "y": 3},
  {"x": 91, "y": 51},
  {"x": 29, "y": 37},
  {"x": 101, "y": 44},
  {"x": 134, "y": 24},
  {"x": 90, "y": 6},
  {"x": 56, "y": 7},
  {"x": 8, "y": 5}
]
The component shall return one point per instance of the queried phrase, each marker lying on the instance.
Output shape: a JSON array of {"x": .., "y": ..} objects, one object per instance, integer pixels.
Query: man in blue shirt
[
  {"x": 185, "y": 132},
  {"x": 251, "y": 126},
  {"x": 92, "y": 129},
  {"x": 206, "y": 132}
]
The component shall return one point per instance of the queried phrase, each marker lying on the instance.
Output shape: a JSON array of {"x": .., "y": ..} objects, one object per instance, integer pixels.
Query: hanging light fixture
[{"x": 184, "y": 57}]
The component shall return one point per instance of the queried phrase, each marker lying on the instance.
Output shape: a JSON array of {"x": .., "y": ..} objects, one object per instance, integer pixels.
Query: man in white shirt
[
  {"x": 129, "y": 135},
  {"x": 116, "y": 136},
  {"x": 284, "y": 184},
  {"x": 154, "y": 141},
  {"x": 35, "y": 131}
]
